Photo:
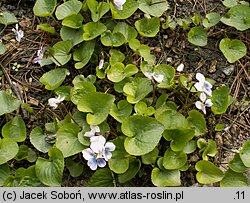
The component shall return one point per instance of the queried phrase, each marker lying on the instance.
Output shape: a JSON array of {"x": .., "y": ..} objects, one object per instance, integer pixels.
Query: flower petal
[
  {"x": 97, "y": 143},
  {"x": 203, "y": 97},
  {"x": 158, "y": 78},
  {"x": 208, "y": 92},
  {"x": 95, "y": 129},
  {"x": 108, "y": 155},
  {"x": 199, "y": 105},
  {"x": 109, "y": 146},
  {"x": 208, "y": 85},
  {"x": 180, "y": 68},
  {"x": 92, "y": 163},
  {"x": 208, "y": 103},
  {"x": 199, "y": 86},
  {"x": 88, "y": 154},
  {"x": 149, "y": 75},
  {"x": 101, "y": 63},
  {"x": 89, "y": 134},
  {"x": 101, "y": 162},
  {"x": 200, "y": 77},
  {"x": 53, "y": 102}
]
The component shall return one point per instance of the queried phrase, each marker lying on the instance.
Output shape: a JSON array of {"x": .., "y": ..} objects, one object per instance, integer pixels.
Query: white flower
[
  {"x": 91, "y": 133},
  {"x": 19, "y": 33},
  {"x": 98, "y": 153},
  {"x": 180, "y": 67},
  {"x": 203, "y": 85},
  {"x": 152, "y": 76},
  {"x": 53, "y": 102},
  {"x": 101, "y": 63},
  {"x": 39, "y": 57},
  {"x": 203, "y": 103},
  {"x": 119, "y": 4}
]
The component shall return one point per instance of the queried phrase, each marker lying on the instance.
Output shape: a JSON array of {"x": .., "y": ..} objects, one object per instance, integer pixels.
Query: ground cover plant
[{"x": 107, "y": 105}]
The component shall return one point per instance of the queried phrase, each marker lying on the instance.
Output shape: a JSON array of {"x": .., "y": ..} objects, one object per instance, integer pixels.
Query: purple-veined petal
[
  {"x": 109, "y": 146},
  {"x": 208, "y": 103},
  {"x": 203, "y": 97},
  {"x": 158, "y": 78},
  {"x": 88, "y": 154},
  {"x": 200, "y": 77},
  {"x": 119, "y": 4},
  {"x": 108, "y": 155},
  {"x": 208, "y": 85},
  {"x": 101, "y": 162},
  {"x": 92, "y": 163},
  {"x": 208, "y": 91}
]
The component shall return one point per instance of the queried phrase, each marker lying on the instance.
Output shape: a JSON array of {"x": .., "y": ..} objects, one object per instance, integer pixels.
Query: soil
[{"x": 170, "y": 46}]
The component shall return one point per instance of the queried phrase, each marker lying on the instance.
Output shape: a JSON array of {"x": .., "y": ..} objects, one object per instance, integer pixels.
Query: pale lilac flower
[
  {"x": 180, "y": 67},
  {"x": 152, "y": 76},
  {"x": 101, "y": 63},
  {"x": 91, "y": 133},
  {"x": 119, "y": 4},
  {"x": 19, "y": 33},
  {"x": 203, "y": 103},
  {"x": 203, "y": 85},
  {"x": 53, "y": 102},
  {"x": 39, "y": 57},
  {"x": 98, "y": 155}
]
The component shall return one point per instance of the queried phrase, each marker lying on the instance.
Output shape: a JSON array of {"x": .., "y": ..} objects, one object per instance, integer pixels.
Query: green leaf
[
  {"x": 98, "y": 9},
  {"x": 115, "y": 56},
  {"x": 7, "y": 18},
  {"x": 102, "y": 178},
  {"x": 93, "y": 30},
  {"x": 74, "y": 168},
  {"x": 83, "y": 53},
  {"x": 97, "y": 105},
  {"x": 210, "y": 150},
  {"x": 208, "y": 173},
  {"x": 134, "y": 167},
  {"x": 197, "y": 120},
  {"x": 211, "y": 19},
  {"x": 197, "y": 36},
  {"x": 238, "y": 16},
  {"x": 112, "y": 39},
  {"x": 47, "y": 28},
  {"x": 4, "y": 173},
  {"x": 153, "y": 7},
  {"x": 15, "y": 129},
  {"x": 8, "y": 103},
  {"x": 128, "y": 9},
  {"x": 68, "y": 8},
  {"x": 2, "y": 48},
  {"x": 127, "y": 31},
  {"x": 8, "y": 150},
  {"x": 230, "y": 3},
  {"x": 139, "y": 130},
  {"x": 119, "y": 162},
  {"x": 237, "y": 165},
  {"x": 137, "y": 89},
  {"x": 148, "y": 27},
  {"x": 50, "y": 172},
  {"x": 73, "y": 21},
  {"x": 233, "y": 50},
  {"x": 60, "y": 52},
  {"x": 67, "y": 140},
  {"x": 184, "y": 82},
  {"x": 168, "y": 72},
  {"x": 233, "y": 179},
  {"x": 174, "y": 160},
  {"x": 27, "y": 153},
  {"x": 73, "y": 35},
  {"x": 121, "y": 111},
  {"x": 151, "y": 157},
  {"x": 64, "y": 91},
  {"x": 54, "y": 78},
  {"x": 219, "y": 127},
  {"x": 190, "y": 147},
  {"x": 245, "y": 153},
  {"x": 165, "y": 178},
  {"x": 38, "y": 140},
  {"x": 220, "y": 100},
  {"x": 43, "y": 8}
]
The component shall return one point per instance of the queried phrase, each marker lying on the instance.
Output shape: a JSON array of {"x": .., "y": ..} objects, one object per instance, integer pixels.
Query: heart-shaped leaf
[
  {"x": 153, "y": 7},
  {"x": 245, "y": 154},
  {"x": 115, "y": 56},
  {"x": 233, "y": 179},
  {"x": 134, "y": 167},
  {"x": 220, "y": 100},
  {"x": 83, "y": 53},
  {"x": 151, "y": 157},
  {"x": 7, "y": 18},
  {"x": 119, "y": 162},
  {"x": 230, "y": 3},
  {"x": 68, "y": 8},
  {"x": 197, "y": 36},
  {"x": 112, "y": 39},
  {"x": 197, "y": 120},
  {"x": 60, "y": 52},
  {"x": 50, "y": 172},
  {"x": 137, "y": 89},
  {"x": 148, "y": 27},
  {"x": 238, "y": 16},
  {"x": 67, "y": 140},
  {"x": 4, "y": 173},
  {"x": 168, "y": 72},
  {"x": 209, "y": 150},
  {"x": 139, "y": 130},
  {"x": 98, "y": 9},
  {"x": 122, "y": 111},
  {"x": 73, "y": 35},
  {"x": 54, "y": 78},
  {"x": 174, "y": 160},
  {"x": 141, "y": 108},
  {"x": 233, "y": 50},
  {"x": 208, "y": 173},
  {"x": 8, "y": 150},
  {"x": 237, "y": 165},
  {"x": 211, "y": 19},
  {"x": 97, "y": 105},
  {"x": 128, "y": 9},
  {"x": 190, "y": 147},
  {"x": 27, "y": 153},
  {"x": 44, "y": 8},
  {"x": 38, "y": 140},
  {"x": 73, "y": 21},
  {"x": 75, "y": 168},
  {"x": 15, "y": 129},
  {"x": 8, "y": 103},
  {"x": 93, "y": 30},
  {"x": 165, "y": 178},
  {"x": 102, "y": 178},
  {"x": 127, "y": 31}
]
